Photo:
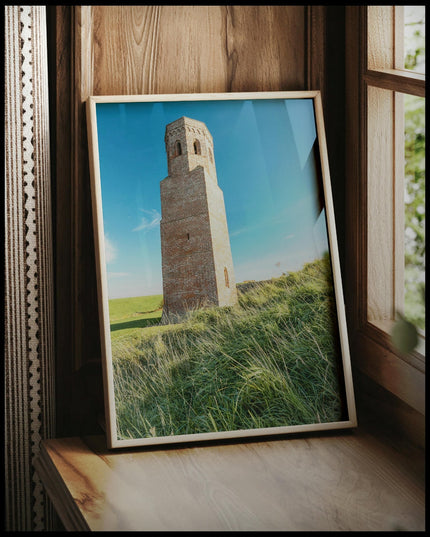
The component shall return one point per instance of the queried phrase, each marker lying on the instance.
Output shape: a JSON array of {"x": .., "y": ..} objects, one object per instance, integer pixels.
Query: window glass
[
  {"x": 414, "y": 307},
  {"x": 414, "y": 38}
]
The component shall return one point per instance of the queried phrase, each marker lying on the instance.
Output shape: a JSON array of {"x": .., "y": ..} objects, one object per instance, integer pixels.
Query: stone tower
[{"x": 197, "y": 264}]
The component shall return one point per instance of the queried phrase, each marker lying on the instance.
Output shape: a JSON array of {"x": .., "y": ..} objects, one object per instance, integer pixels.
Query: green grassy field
[
  {"x": 129, "y": 315},
  {"x": 271, "y": 360}
]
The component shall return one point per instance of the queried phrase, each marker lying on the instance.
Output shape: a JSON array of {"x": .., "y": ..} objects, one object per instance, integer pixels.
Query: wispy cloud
[
  {"x": 237, "y": 232},
  {"x": 110, "y": 250},
  {"x": 245, "y": 229},
  {"x": 150, "y": 221},
  {"x": 289, "y": 236}
]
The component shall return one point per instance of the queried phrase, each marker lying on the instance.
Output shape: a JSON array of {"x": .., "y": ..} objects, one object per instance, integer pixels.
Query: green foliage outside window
[{"x": 415, "y": 183}]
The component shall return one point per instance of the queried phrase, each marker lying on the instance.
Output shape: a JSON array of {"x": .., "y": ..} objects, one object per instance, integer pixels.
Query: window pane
[
  {"x": 414, "y": 38},
  {"x": 414, "y": 307}
]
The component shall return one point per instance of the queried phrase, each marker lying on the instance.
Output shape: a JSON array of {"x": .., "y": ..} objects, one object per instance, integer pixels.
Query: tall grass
[{"x": 269, "y": 361}]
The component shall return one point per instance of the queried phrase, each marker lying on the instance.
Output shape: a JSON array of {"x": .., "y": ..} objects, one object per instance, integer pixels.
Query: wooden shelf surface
[{"x": 341, "y": 481}]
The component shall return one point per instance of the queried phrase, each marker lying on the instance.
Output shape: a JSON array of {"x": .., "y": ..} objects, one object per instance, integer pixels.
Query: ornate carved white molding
[{"x": 29, "y": 330}]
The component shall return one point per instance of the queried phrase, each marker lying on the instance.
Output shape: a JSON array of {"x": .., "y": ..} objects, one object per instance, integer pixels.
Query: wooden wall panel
[
  {"x": 192, "y": 49},
  {"x": 108, "y": 50}
]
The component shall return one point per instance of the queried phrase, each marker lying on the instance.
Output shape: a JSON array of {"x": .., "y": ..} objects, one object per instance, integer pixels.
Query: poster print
[{"x": 220, "y": 297}]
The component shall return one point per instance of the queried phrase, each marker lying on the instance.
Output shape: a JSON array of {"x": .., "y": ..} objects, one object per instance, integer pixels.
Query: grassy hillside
[
  {"x": 129, "y": 315},
  {"x": 268, "y": 361}
]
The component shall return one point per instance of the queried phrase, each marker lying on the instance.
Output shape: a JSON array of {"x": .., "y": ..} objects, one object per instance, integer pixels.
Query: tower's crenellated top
[{"x": 189, "y": 144}]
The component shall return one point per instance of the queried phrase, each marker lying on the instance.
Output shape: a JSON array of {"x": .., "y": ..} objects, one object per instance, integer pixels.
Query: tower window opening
[
  {"x": 188, "y": 236},
  {"x": 196, "y": 146},
  {"x": 178, "y": 149},
  {"x": 227, "y": 282}
]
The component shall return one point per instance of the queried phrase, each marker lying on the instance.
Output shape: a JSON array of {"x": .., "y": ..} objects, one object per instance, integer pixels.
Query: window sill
[
  {"x": 416, "y": 358},
  {"x": 294, "y": 484},
  {"x": 404, "y": 376}
]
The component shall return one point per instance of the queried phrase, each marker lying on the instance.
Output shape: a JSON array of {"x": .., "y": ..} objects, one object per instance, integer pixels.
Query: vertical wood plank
[
  {"x": 77, "y": 401},
  {"x": 59, "y": 49},
  {"x": 355, "y": 175},
  {"x": 333, "y": 82},
  {"x": 86, "y": 340},
  {"x": 399, "y": 204},
  {"x": 380, "y": 203},
  {"x": 380, "y": 45},
  {"x": 316, "y": 47},
  {"x": 399, "y": 37}
]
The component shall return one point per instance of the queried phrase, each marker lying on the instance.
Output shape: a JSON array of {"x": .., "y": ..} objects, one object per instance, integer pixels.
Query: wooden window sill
[
  {"x": 383, "y": 330},
  {"x": 347, "y": 480}
]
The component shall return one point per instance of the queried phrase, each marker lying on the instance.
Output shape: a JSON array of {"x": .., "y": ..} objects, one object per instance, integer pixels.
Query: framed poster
[{"x": 221, "y": 307}]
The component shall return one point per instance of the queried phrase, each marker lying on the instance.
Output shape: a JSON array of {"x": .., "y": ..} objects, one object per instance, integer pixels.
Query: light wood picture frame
[{"x": 220, "y": 296}]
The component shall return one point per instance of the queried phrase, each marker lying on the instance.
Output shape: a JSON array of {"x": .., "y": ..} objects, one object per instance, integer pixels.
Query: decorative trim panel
[{"x": 29, "y": 330}]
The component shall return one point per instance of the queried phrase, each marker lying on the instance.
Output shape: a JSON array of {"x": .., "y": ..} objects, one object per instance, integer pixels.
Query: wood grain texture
[
  {"x": 380, "y": 37},
  {"x": 398, "y": 223},
  {"x": 406, "y": 82},
  {"x": 333, "y": 97},
  {"x": 196, "y": 49},
  {"x": 385, "y": 415},
  {"x": 316, "y": 57},
  {"x": 380, "y": 204},
  {"x": 355, "y": 172},
  {"x": 62, "y": 501},
  {"x": 333, "y": 483},
  {"x": 395, "y": 374},
  {"x": 86, "y": 345},
  {"x": 59, "y": 51}
]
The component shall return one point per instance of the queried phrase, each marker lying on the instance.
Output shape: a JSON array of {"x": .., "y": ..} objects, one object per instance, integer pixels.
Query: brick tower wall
[
  {"x": 186, "y": 247},
  {"x": 195, "y": 246}
]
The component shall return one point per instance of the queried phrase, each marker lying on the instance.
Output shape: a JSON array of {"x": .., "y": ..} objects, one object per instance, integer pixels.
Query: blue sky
[{"x": 265, "y": 167}]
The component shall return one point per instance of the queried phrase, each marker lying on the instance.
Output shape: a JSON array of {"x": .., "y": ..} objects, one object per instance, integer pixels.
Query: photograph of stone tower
[
  {"x": 197, "y": 265},
  {"x": 219, "y": 282}
]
